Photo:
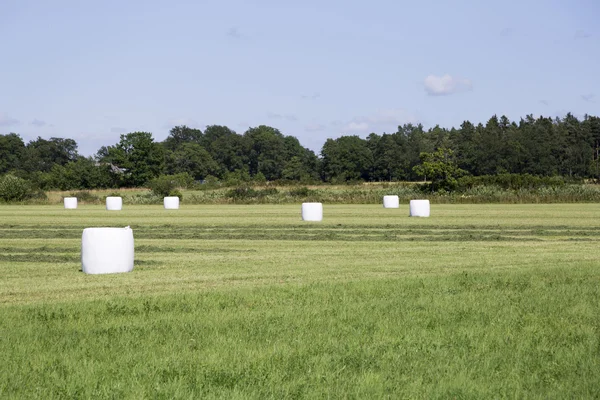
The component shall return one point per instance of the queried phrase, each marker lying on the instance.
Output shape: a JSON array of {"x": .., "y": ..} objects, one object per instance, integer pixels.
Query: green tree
[
  {"x": 80, "y": 174},
  {"x": 578, "y": 146},
  {"x": 346, "y": 158},
  {"x": 180, "y": 135},
  {"x": 193, "y": 159},
  {"x": 267, "y": 151},
  {"x": 12, "y": 149},
  {"x": 42, "y": 154},
  {"x": 440, "y": 168},
  {"x": 139, "y": 156},
  {"x": 227, "y": 148}
]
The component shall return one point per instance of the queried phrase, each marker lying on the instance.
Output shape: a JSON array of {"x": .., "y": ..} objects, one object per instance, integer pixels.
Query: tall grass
[{"x": 357, "y": 194}]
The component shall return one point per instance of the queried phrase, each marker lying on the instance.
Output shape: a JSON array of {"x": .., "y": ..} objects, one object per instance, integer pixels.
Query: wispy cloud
[
  {"x": 234, "y": 32},
  {"x": 588, "y": 97},
  {"x": 382, "y": 120},
  {"x": 37, "y": 122},
  {"x": 315, "y": 127},
  {"x": 357, "y": 126},
  {"x": 289, "y": 117},
  {"x": 116, "y": 129},
  {"x": 313, "y": 96},
  {"x": 6, "y": 120},
  {"x": 189, "y": 122},
  {"x": 581, "y": 34},
  {"x": 446, "y": 85},
  {"x": 544, "y": 102}
]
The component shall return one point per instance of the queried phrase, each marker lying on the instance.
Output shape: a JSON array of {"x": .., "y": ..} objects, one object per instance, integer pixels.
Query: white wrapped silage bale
[
  {"x": 419, "y": 208},
  {"x": 391, "y": 202},
  {"x": 171, "y": 203},
  {"x": 107, "y": 250},
  {"x": 312, "y": 211},
  {"x": 70, "y": 202},
  {"x": 114, "y": 203}
]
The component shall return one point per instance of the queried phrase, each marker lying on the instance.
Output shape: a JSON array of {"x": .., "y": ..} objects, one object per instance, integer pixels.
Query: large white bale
[
  {"x": 391, "y": 202},
  {"x": 312, "y": 211},
  {"x": 70, "y": 202},
  {"x": 107, "y": 250},
  {"x": 419, "y": 208},
  {"x": 114, "y": 203},
  {"x": 171, "y": 202}
]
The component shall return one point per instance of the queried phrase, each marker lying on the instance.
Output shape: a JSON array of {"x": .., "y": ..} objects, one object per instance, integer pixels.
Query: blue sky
[{"x": 91, "y": 70}]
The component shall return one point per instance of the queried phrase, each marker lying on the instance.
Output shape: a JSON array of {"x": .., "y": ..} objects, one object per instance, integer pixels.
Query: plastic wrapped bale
[
  {"x": 312, "y": 211},
  {"x": 171, "y": 203},
  {"x": 70, "y": 202},
  {"x": 391, "y": 202},
  {"x": 419, "y": 208},
  {"x": 114, "y": 203},
  {"x": 107, "y": 250}
]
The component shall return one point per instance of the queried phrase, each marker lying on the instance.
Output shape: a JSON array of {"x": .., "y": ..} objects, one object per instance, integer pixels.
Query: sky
[{"x": 93, "y": 70}]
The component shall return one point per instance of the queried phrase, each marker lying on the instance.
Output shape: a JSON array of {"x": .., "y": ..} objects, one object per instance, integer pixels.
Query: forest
[{"x": 543, "y": 147}]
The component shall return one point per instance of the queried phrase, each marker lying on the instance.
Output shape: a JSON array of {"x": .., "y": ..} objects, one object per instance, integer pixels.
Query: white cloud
[
  {"x": 37, "y": 122},
  {"x": 6, "y": 120},
  {"x": 445, "y": 85}
]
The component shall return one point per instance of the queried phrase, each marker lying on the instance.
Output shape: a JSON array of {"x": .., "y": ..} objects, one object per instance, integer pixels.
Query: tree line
[{"x": 541, "y": 146}]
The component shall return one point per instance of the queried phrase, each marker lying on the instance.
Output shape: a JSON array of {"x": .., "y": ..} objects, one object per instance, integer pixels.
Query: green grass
[{"x": 233, "y": 301}]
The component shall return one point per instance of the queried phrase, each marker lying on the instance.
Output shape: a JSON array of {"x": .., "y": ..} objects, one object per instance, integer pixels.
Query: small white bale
[
  {"x": 419, "y": 208},
  {"x": 391, "y": 202},
  {"x": 312, "y": 211},
  {"x": 107, "y": 250},
  {"x": 171, "y": 202},
  {"x": 70, "y": 202},
  {"x": 114, "y": 203}
]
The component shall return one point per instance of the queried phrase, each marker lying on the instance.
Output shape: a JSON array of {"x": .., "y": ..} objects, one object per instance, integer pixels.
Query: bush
[
  {"x": 510, "y": 181},
  {"x": 236, "y": 178},
  {"x": 302, "y": 192},
  {"x": 176, "y": 193},
  {"x": 85, "y": 196},
  {"x": 164, "y": 185},
  {"x": 13, "y": 188},
  {"x": 247, "y": 192}
]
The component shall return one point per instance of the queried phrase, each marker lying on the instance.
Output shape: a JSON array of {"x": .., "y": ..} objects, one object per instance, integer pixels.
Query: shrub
[
  {"x": 260, "y": 179},
  {"x": 164, "y": 185},
  {"x": 177, "y": 193},
  {"x": 13, "y": 188},
  {"x": 302, "y": 192},
  {"x": 85, "y": 196},
  {"x": 247, "y": 192},
  {"x": 510, "y": 181}
]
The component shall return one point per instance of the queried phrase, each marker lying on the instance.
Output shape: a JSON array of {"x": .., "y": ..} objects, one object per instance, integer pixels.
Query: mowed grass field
[{"x": 477, "y": 301}]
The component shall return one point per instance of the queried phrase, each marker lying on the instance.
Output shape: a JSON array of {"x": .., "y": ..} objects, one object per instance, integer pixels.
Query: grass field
[{"x": 231, "y": 301}]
